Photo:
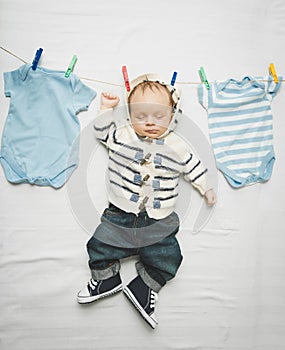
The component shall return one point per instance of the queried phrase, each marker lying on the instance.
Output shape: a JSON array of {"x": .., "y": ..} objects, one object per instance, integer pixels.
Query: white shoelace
[
  {"x": 92, "y": 284},
  {"x": 153, "y": 299}
]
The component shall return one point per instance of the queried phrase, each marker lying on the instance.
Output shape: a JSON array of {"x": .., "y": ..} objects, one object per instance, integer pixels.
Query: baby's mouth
[{"x": 151, "y": 131}]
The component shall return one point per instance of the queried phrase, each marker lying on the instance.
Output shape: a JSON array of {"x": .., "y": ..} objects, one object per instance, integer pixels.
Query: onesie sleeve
[
  {"x": 14, "y": 79},
  {"x": 8, "y": 83},
  {"x": 202, "y": 96},
  {"x": 82, "y": 95},
  {"x": 272, "y": 87}
]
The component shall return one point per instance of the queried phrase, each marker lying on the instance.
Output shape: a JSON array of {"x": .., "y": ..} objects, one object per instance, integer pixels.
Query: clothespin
[
  {"x": 71, "y": 66},
  {"x": 173, "y": 78},
  {"x": 126, "y": 78},
  {"x": 203, "y": 77},
  {"x": 37, "y": 58},
  {"x": 272, "y": 71}
]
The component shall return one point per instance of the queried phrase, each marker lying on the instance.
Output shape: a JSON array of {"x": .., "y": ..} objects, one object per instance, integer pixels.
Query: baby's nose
[{"x": 150, "y": 120}]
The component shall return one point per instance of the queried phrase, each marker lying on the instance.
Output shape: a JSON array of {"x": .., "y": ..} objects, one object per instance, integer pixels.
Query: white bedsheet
[{"x": 229, "y": 291}]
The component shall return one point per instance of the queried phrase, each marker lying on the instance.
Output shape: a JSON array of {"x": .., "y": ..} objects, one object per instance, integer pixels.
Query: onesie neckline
[
  {"x": 246, "y": 81},
  {"x": 47, "y": 71}
]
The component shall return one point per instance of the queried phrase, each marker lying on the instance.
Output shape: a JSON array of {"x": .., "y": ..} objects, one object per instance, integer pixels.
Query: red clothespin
[
  {"x": 37, "y": 58},
  {"x": 272, "y": 72},
  {"x": 126, "y": 78}
]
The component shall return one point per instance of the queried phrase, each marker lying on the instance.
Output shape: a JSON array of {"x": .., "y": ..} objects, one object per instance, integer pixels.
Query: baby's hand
[
  {"x": 109, "y": 100},
  {"x": 210, "y": 197}
]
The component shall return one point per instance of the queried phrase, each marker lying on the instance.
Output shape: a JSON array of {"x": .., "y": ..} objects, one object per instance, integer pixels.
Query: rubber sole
[{"x": 91, "y": 299}]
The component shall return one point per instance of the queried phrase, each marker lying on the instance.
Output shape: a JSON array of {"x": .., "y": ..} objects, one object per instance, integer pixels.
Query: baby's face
[{"x": 150, "y": 112}]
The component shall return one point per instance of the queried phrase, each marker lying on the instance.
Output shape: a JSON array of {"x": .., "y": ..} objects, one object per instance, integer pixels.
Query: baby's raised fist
[{"x": 109, "y": 100}]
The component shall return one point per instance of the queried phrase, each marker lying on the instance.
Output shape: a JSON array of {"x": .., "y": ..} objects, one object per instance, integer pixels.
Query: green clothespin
[
  {"x": 203, "y": 77},
  {"x": 71, "y": 66}
]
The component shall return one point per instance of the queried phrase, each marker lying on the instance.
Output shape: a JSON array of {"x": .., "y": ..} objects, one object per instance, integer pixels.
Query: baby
[{"x": 146, "y": 159}]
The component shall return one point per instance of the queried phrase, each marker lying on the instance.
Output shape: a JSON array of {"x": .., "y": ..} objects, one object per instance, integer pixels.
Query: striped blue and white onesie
[{"x": 240, "y": 127}]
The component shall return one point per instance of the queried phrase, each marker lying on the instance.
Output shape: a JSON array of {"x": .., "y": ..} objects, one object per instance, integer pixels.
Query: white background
[{"x": 230, "y": 290}]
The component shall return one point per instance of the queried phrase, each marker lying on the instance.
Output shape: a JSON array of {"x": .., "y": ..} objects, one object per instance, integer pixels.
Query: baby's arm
[
  {"x": 108, "y": 100},
  {"x": 104, "y": 122},
  {"x": 210, "y": 197},
  {"x": 196, "y": 173}
]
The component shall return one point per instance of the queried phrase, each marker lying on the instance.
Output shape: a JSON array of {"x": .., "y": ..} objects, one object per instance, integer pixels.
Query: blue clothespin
[
  {"x": 71, "y": 66},
  {"x": 173, "y": 78},
  {"x": 203, "y": 77},
  {"x": 37, "y": 58}
]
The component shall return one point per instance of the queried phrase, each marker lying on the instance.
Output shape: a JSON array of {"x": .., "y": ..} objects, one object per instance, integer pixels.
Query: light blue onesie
[
  {"x": 240, "y": 127},
  {"x": 41, "y": 135}
]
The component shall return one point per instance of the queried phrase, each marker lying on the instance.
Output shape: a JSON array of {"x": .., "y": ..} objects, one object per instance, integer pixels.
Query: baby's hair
[{"x": 152, "y": 85}]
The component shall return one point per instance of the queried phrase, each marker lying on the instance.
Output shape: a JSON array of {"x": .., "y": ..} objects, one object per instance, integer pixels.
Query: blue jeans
[{"x": 122, "y": 234}]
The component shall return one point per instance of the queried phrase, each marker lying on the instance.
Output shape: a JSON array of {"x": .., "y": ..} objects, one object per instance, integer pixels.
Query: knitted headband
[{"x": 174, "y": 91}]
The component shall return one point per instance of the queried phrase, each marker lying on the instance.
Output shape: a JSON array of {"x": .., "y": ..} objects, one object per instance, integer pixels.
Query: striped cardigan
[{"x": 144, "y": 172}]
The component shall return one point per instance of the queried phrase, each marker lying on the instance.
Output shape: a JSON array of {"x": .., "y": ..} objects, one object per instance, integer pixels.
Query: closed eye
[{"x": 139, "y": 117}]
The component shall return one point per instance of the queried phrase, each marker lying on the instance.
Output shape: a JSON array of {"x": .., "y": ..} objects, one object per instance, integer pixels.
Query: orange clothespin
[
  {"x": 126, "y": 78},
  {"x": 272, "y": 72}
]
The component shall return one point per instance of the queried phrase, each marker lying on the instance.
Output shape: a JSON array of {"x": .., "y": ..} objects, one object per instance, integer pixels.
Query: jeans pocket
[
  {"x": 110, "y": 212},
  {"x": 117, "y": 217},
  {"x": 172, "y": 220}
]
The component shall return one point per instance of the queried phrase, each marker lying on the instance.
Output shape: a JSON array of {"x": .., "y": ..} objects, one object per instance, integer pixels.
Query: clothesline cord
[
  {"x": 12, "y": 54},
  {"x": 108, "y": 83}
]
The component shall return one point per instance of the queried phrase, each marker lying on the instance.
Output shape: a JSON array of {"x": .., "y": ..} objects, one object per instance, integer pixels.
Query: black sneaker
[
  {"x": 143, "y": 298},
  {"x": 95, "y": 290}
]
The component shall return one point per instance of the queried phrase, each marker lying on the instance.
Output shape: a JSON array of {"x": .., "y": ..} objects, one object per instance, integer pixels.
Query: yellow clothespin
[{"x": 272, "y": 71}]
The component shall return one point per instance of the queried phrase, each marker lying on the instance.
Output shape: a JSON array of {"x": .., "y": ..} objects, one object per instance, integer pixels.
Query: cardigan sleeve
[
  {"x": 196, "y": 173},
  {"x": 103, "y": 125}
]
